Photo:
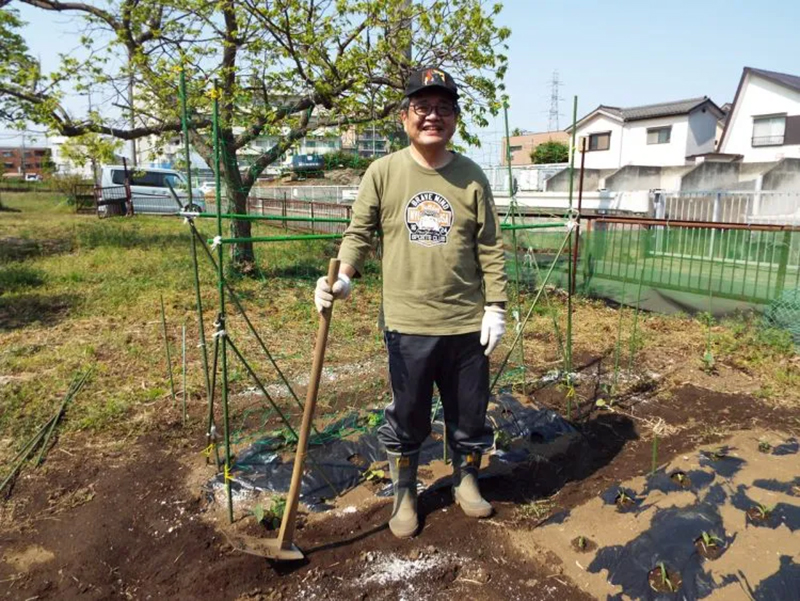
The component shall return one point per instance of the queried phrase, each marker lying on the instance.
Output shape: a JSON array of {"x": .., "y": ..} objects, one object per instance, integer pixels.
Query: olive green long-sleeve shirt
[{"x": 442, "y": 246}]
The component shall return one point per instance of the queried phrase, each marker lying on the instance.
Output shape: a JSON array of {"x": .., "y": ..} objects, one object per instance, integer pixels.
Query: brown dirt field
[{"x": 130, "y": 520}]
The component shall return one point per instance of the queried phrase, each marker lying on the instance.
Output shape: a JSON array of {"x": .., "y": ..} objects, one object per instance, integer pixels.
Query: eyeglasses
[{"x": 424, "y": 109}]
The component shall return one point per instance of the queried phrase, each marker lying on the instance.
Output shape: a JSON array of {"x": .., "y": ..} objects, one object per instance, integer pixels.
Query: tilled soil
[{"x": 131, "y": 523}]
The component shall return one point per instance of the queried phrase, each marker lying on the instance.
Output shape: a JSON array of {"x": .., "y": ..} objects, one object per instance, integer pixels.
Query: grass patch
[{"x": 536, "y": 510}]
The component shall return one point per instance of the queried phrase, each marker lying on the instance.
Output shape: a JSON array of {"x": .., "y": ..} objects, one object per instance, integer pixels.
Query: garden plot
[{"x": 718, "y": 523}]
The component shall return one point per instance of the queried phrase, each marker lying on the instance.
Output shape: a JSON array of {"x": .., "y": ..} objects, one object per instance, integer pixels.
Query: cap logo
[{"x": 433, "y": 77}]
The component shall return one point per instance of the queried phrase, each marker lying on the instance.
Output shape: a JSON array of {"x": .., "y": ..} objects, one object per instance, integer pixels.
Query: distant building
[
  {"x": 655, "y": 135},
  {"x": 764, "y": 122},
  {"x": 64, "y": 166},
  {"x": 523, "y": 145},
  {"x": 18, "y": 162}
]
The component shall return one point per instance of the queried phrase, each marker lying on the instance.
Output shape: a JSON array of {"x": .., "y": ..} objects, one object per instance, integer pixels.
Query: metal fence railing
[
  {"x": 329, "y": 194},
  {"x": 282, "y": 207},
  {"x": 780, "y": 208},
  {"x": 750, "y": 263}
]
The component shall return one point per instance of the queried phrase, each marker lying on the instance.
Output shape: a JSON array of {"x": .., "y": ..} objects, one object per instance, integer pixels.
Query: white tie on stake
[{"x": 216, "y": 242}]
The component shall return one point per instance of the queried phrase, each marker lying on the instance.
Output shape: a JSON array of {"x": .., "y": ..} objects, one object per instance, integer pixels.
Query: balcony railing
[{"x": 767, "y": 140}]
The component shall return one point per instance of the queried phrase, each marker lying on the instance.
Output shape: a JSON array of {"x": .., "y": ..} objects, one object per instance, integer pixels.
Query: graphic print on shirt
[{"x": 429, "y": 217}]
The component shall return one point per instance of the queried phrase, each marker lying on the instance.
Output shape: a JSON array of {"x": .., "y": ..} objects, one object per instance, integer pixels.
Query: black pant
[{"x": 461, "y": 372}]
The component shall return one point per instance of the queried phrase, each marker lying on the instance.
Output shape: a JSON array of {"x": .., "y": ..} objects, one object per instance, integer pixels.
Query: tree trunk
[{"x": 242, "y": 255}]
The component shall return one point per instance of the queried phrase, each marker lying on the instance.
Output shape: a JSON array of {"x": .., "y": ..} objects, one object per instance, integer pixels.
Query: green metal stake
[
  {"x": 513, "y": 210},
  {"x": 619, "y": 337},
  {"x": 183, "y": 365},
  {"x": 569, "y": 268},
  {"x": 220, "y": 333},
  {"x": 185, "y": 128},
  {"x": 166, "y": 349},
  {"x": 636, "y": 321},
  {"x": 530, "y": 312}
]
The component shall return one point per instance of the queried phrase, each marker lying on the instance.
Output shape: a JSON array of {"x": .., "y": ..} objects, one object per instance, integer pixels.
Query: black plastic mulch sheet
[
  {"x": 345, "y": 462},
  {"x": 671, "y": 537}
]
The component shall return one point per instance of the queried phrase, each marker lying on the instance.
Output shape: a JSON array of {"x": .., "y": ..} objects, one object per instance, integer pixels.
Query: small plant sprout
[
  {"x": 665, "y": 577},
  {"x": 764, "y": 446},
  {"x": 680, "y": 477},
  {"x": 718, "y": 454},
  {"x": 764, "y": 511},
  {"x": 710, "y": 540},
  {"x": 258, "y": 513},
  {"x": 604, "y": 404},
  {"x": 581, "y": 542},
  {"x": 375, "y": 475},
  {"x": 623, "y": 498}
]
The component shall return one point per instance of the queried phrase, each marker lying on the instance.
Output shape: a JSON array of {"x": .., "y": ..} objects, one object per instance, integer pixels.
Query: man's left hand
[{"x": 493, "y": 327}]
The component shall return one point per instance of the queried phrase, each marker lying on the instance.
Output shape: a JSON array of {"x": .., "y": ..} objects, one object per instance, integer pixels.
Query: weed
[{"x": 536, "y": 509}]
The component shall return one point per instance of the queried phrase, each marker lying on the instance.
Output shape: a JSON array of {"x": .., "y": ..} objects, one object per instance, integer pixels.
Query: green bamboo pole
[
  {"x": 74, "y": 388},
  {"x": 220, "y": 333},
  {"x": 654, "y": 463},
  {"x": 211, "y": 428},
  {"x": 533, "y": 226},
  {"x": 26, "y": 449},
  {"x": 530, "y": 312},
  {"x": 166, "y": 349},
  {"x": 574, "y": 149},
  {"x": 513, "y": 209}
]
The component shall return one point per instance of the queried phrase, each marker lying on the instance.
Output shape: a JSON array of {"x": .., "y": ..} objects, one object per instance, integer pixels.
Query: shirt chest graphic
[{"x": 429, "y": 219}]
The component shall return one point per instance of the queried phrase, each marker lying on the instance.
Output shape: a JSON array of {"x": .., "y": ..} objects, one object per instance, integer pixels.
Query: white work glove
[
  {"x": 323, "y": 295},
  {"x": 493, "y": 327}
]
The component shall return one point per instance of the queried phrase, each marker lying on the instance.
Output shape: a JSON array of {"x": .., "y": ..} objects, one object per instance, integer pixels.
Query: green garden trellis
[{"x": 224, "y": 345}]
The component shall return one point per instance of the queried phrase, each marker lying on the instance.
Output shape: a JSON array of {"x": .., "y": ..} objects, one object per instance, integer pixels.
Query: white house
[
  {"x": 63, "y": 165},
  {"x": 764, "y": 122},
  {"x": 658, "y": 135}
]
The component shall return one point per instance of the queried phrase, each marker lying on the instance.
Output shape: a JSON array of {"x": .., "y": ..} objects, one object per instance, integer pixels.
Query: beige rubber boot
[
  {"x": 404, "y": 522},
  {"x": 466, "y": 493}
]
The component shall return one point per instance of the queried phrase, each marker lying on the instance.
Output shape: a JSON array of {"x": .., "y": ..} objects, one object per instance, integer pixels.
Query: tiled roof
[
  {"x": 790, "y": 81},
  {"x": 662, "y": 109}
]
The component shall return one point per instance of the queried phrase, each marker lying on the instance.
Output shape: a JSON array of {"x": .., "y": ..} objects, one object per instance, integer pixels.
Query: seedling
[
  {"x": 710, "y": 540},
  {"x": 764, "y": 511},
  {"x": 373, "y": 420},
  {"x": 603, "y": 404},
  {"x": 376, "y": 475},
  {"x": 764, "y": 446},
  {"x": 581, "y": 542},
  {"x": 624, "y": 500},
  {"x": 502, "y": 440},
  {"x": 663, "y": 579}
]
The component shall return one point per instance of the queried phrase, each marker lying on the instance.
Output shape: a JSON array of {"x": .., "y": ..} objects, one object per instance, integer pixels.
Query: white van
[{"x": 150, "y": 191}]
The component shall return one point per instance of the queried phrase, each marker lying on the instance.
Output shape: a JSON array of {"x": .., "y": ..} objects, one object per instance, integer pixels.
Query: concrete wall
[
  {"x": 702, "y": 131},
  {"x": 560, "y": 181},
  {"x": 636, "y": 150},
  {"x": 783, "y": 177},
  {"x": 633, "y": 177},
  {"x": 712, "y": 176},
  {"x": 759, "y": 97}
]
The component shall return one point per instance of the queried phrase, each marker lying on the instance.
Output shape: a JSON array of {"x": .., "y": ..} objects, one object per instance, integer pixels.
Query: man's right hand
[{"x": 324, "y": 295}]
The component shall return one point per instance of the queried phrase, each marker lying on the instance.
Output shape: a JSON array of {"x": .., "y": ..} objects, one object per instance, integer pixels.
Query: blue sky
[{"x": 616, "y": 52}]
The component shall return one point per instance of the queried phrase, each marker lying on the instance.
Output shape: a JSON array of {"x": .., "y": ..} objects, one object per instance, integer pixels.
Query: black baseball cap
[{"x": 432, "y": 77}]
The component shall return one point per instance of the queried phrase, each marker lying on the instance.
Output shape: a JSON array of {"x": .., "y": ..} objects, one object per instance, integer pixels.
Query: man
[{"x": 444, "y": 292}]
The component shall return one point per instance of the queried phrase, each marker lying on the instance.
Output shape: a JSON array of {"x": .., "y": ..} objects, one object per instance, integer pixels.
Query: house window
[
  {"x": 514, "y": 148},
  {"x": 8, "y": 153},
  {"x": 8, "y": 165},
  {"x": 659, "y": 135},
  {"x": 769, "y": 131},
  {"x": 600, "y": 141}
]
